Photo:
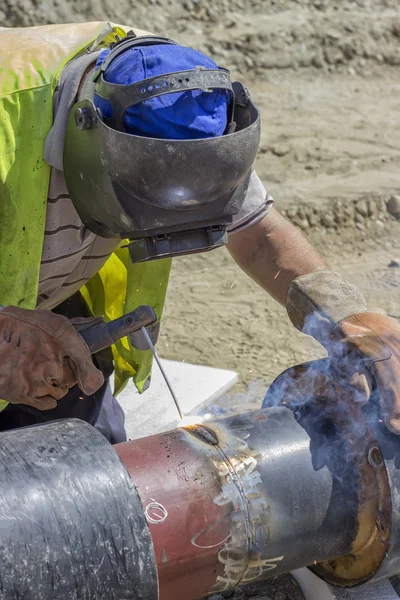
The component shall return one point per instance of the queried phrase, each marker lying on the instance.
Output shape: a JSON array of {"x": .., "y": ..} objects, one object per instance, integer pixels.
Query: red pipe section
[{"x": 174, "y": 472}]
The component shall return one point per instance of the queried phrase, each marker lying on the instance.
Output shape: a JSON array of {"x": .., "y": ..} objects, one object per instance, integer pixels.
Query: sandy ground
[{"x": 227, "y": 321}]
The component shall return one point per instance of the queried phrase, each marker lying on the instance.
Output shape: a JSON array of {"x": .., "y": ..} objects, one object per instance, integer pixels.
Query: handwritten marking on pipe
[
  {"x": 207, "y": 530},
  {"x": 155, "y": 512}
]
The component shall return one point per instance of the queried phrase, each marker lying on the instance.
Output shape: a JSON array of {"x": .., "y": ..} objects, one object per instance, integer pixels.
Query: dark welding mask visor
[{"x": 167, "y": 196}]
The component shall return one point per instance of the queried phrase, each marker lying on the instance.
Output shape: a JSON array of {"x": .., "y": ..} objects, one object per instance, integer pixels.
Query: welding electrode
[{"x": 152, "y": 348}]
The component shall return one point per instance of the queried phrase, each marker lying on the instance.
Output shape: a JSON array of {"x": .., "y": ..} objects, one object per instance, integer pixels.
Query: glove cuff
[{"x": 316, "y": 302}]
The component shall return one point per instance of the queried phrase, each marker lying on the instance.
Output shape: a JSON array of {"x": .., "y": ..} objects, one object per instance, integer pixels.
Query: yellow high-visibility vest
[{"x": 32, "y": 59}]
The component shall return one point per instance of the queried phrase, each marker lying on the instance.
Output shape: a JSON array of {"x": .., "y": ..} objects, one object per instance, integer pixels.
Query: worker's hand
[
  {"x": 41, "y": 358},
  {"x": 361, "y": 343},
  {"x": 376, "y": 339}
]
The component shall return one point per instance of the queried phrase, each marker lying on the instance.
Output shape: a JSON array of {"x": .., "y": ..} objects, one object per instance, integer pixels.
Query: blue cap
[{"x": 182, "y": 115}]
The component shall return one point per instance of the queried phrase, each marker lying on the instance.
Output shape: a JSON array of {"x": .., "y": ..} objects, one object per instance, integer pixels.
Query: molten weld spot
[
  {"x": 204, "y": 433},
  {"x": 190, "y": 421}
]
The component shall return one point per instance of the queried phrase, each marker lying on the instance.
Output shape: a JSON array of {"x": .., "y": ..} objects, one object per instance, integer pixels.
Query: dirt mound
[
  {"x": 246, "y": 35},
  {"x": 285, "y": 35}
]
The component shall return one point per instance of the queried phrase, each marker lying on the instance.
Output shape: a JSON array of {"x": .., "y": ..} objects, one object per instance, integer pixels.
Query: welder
[{"x": 118, "y": 151}]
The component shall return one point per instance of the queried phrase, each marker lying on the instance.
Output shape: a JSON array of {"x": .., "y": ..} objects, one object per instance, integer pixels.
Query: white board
[
  {"x": 154, "y": 411},
  {"x": 314, "y": 588}
]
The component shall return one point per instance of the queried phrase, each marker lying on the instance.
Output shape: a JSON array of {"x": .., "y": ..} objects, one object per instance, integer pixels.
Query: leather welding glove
[
  {"x": 42, "y": 357},
  {"x": 362, "y": 342}
]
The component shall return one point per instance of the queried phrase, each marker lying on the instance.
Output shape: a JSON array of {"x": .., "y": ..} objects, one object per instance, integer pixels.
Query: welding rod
[{"x": 152, "y": 348}]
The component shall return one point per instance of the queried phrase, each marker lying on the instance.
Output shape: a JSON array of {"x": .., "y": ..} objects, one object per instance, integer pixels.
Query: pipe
[
  {"x": 259, "y": 495},
  {"x": 71, "y": 521}
]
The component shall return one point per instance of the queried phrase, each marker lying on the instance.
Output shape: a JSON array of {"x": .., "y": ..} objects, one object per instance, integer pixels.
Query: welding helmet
[{"x": 135, "y": 171}]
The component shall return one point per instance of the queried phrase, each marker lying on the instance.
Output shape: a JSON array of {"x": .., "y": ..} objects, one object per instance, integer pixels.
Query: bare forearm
[{"x": 273, "y": 253}]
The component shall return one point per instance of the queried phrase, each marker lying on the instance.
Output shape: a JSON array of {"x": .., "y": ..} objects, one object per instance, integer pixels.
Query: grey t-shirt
[{"x": 71, "y": 253}]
